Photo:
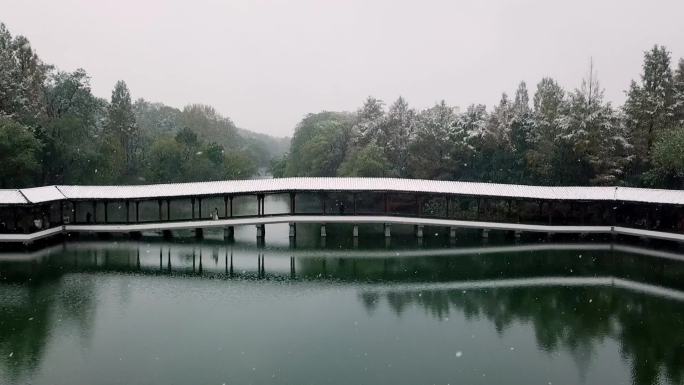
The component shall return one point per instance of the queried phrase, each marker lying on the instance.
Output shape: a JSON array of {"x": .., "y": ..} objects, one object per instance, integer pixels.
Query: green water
[{"x": 206, "y": 312}]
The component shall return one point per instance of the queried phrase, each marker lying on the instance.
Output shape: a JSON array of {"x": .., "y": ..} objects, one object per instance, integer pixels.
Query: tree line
[
  {"x": 558, "y": 137},
  {"x": 53, "y": 130}
]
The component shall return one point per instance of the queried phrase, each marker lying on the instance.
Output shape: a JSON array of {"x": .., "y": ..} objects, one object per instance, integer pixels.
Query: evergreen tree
[
  {"x": 369, "y": 119},
  {"x": 468, "y": 133},
  {"x": 397, "y": 133},
  {"x": 495, "y": 160},
  {"x": 430, "y": 152},
  {"x": 520, "y": 134},
  {"x": 72, "y": 113},
  {"x": 122, "y": 131},
  {"x": 668, "y": 160},
  {"x": 18, "y": 155},
  {"x": 548, "y": 102},
  {"x": 591, "y": 146},
  {"x": 649, "y": 109},
  {"x": 679, "y": 93},
  {"x": 22, "y": 77}
]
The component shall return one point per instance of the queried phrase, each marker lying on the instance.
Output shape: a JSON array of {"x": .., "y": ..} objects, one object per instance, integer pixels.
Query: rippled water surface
[{"x": 210, "y": 312}]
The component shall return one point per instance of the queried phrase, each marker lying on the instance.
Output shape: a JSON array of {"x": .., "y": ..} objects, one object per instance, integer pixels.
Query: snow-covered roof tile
[
  {"x": 12, "y": 197},
  {"x": 650, "y": 195},
  {"x": 42, "y": 194}
]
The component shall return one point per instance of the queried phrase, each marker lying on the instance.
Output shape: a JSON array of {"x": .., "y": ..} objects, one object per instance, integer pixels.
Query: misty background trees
[
  {"x": 550, "y": 137},
  {"x": 53, "y": 130}
]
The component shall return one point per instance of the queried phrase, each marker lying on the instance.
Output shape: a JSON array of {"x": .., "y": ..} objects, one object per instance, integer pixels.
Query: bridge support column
[
  {"x": 228, "y": 233},
  {"x": 355, "y": 231},
  {"x": 452, "y": 232},
  {"x": 517, "y": 234},
  {"x": 323, "y": 232},
  {"x": 293, "y": 230},
  {"x": 388, "y": 230},
  {"x": 199, "y": 233},
  {"x": 167, "y": 234},
  {"x": 419, "y": 231},
  {"x": 261, "y": 231},
  {"x": 485, "y": 233}
]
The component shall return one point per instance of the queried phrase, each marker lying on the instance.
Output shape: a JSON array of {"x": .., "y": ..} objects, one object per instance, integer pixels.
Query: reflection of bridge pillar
[
  {"x": 419, "y": 231},
  {"x": 388, "y": 230},
  {"x": 355, "y": 231},
  {"x": 292, "y": 268},
  {"x": 323, "y": 232},
  {"x": 261, "y": 270},
  {"x": 229, "y": 233},
  {"x": 293, "y": 230}
]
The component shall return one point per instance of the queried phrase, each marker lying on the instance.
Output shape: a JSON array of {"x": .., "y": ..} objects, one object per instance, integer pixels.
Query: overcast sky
[{"x": 265, "y": 64}]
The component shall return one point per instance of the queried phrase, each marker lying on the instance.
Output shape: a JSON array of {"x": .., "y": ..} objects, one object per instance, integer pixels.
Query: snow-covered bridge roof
[
  {"x": 12, "y": 197},
  {"x": 51, "y": 193}
]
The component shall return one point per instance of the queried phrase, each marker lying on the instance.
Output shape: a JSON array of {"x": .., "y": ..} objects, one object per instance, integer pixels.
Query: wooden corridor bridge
[{"x": 30, "y": 214}]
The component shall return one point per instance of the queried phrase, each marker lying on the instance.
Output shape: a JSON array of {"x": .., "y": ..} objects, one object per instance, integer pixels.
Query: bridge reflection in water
[{"x": 574, "y": 296}]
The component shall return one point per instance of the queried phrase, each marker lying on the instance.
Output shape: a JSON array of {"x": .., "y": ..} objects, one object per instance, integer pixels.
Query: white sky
[{"x": 266, "y": 64}]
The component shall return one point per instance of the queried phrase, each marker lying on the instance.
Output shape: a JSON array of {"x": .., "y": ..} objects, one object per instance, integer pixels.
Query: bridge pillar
[
  {"x": 517, "y": 234},
  {"x": 323, "y": 233},
  {"x": 261, "y": 231},
  {"x": 419, "y": 231},
  {"x": 355, "y": 231},
  {"x": 485, "y": 233},
  {"x": 167, "y": 234},
  {"x": 388, "y": 230},
  {"x": 293, "y": 230},
  {"x": 452, "y": 232},
  {"x": 228, "y": 233},
  {"x": 199, "y": 233}
]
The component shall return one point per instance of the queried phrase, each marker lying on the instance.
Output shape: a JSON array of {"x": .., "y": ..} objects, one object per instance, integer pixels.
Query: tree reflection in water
[
  {"x": 576, "y": 319},
  {"x": 59, "y": 290}
]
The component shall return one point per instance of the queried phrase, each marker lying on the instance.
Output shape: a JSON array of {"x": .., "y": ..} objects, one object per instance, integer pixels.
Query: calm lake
[{"x": 188, "y": 311}]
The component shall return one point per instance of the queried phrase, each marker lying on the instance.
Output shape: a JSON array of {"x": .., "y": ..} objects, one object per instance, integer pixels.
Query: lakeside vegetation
[
  {"x": 558, "y": 137},
  {"x": 53, "y": 130}
]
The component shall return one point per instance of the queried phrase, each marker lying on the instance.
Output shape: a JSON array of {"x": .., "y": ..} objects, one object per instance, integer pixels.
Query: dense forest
[
  {"x": 53, "y": 130},
  {"x": 556, "y": 138}
]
